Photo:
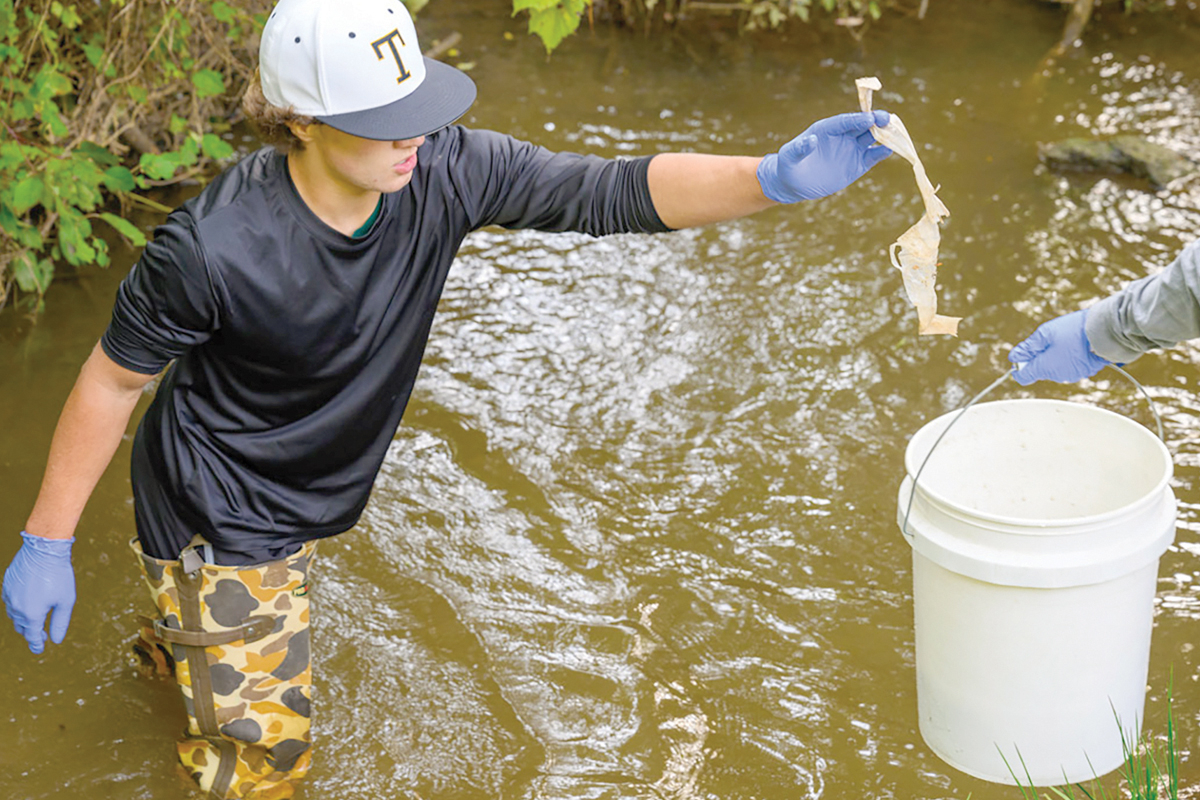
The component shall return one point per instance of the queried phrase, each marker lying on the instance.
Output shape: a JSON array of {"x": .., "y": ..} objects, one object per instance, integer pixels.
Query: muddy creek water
[{"x": 636, "y": 537}]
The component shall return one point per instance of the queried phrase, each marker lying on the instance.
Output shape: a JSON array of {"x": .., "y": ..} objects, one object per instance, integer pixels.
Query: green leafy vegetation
[{"x": 100, "y": 100}]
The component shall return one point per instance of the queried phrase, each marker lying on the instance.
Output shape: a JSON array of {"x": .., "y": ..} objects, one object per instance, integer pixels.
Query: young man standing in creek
[{"x": 289, "y": 304}]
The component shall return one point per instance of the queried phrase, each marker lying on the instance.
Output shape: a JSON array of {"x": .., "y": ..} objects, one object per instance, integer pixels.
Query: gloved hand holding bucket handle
[
  {"x": 1058, "y": 350},
  {"x": 40, "y": 583}
]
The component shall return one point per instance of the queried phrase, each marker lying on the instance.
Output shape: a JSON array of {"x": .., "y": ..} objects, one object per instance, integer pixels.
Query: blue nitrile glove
[
  {"x": 40, "y": 580},
  {"x": 832, "y": 154},
  {"x": 1057, "y": 351}
]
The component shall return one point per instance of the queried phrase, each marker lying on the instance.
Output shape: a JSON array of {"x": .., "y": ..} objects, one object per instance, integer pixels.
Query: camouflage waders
[{"x": 236, "y": 639}]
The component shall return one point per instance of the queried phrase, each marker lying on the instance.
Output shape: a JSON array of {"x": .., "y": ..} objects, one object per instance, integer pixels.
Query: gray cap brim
[{"x": 443, "y": 97}]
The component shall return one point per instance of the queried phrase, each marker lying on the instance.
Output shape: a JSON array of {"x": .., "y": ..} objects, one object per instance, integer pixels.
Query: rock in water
[{"x": 1134, "y": 155}]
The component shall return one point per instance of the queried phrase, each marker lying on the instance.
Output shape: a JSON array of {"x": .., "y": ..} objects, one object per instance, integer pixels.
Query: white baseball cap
[{"x": 355, "y": 65}]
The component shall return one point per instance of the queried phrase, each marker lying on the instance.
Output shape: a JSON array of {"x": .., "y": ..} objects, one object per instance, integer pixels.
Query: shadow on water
[{"x": 636, "y": 537}]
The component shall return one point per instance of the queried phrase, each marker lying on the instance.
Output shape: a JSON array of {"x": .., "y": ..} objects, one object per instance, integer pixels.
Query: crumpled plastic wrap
[{"x": 918, "y": 246}]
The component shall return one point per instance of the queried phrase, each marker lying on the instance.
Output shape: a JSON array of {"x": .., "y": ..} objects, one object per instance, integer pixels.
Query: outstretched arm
[{"x": 690, "y": 189}]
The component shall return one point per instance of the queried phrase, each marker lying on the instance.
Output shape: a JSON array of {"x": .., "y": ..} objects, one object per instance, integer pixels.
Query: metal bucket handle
[{"x": 913, "y": 493}]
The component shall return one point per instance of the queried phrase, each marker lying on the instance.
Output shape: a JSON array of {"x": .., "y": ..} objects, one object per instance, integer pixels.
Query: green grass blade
[
  {"x": 1172, "y": 755},
  {"x": 1096, "y": 784},
  {"x": 1017, "y": 780},
  {"x": 1081, "y": 787}
]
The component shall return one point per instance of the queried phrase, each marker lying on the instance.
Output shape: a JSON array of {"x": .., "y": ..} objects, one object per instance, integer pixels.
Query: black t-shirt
[{"x": 295, "y": 347}]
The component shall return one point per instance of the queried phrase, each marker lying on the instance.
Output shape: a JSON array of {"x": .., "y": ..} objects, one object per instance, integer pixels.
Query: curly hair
[{"x": 270, "y": 121}]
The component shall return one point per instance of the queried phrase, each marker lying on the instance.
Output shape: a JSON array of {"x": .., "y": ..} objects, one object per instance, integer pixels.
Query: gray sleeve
[
  {"x": 1159, "y": 311},
  {"x": 507, "y": 182}
]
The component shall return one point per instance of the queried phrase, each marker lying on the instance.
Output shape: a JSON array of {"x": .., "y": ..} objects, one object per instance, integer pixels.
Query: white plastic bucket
[{"x": 1036, "y": 528}]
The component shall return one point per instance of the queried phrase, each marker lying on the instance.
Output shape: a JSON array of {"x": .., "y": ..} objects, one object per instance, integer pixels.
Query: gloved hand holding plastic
[
  {"x": 1059, "y": 351},
  {"x": 40, "y": 582},
  {"x": 829, "y": 156}
]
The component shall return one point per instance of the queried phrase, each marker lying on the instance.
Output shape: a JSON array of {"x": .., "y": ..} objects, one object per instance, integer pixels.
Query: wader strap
[
  {"x": 188, "y": 585},
  {"x": 253, "y": 629},
  {"x": 225, "y": 771}
]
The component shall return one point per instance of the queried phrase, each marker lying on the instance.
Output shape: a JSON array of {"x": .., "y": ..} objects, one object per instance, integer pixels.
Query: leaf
[
  {"x": 22, "y": 270},
  {"x": 31, "y": 275},
  {"x": 53, "y": 120},
  {"x": 49, "y": 82},
  {"x": 12, "y": 155},
  {"x": 71, "y": 18},
  {"x": 27, "y": 194},
  {"x": 8, "y": 220},
  {"x": 29, "y": 236},
  {"x": 94, "y": 54},
  {"x": 119, "y": 179},
  {"x": 553, "y": 25},
  {"x": 126, "y": 229},
  {"x": 208, "y": 83},
  {"x": 12, "y": 55},
  {"x": 22, "y": 232},
  {"x": 22, "y": 109},
  {"x": 79, "y": 252},
  {"x": 163, "y": 167},
  {"x": 189, "y": 154},
  {"x": 159, "y": 167},
  {"x": 177, "y": 124},
  {"x": 222, "y": 12},
  {"x": 96, "y": 153},
  {"x": 215, "y": 147},
  {"x": 44, "y": 269},
  {"x": 73, "y": 244}
]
